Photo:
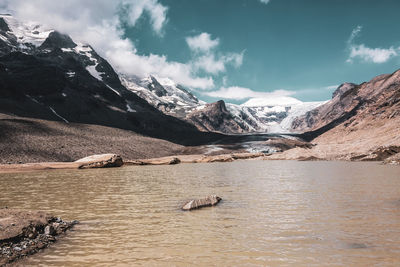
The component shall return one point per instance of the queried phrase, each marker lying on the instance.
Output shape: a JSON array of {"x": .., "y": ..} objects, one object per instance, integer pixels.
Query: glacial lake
[{"x": 273, "y": 213}]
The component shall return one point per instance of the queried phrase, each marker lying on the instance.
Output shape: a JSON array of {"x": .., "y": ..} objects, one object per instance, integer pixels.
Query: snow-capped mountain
[
  {"x": 50, "y": 73},
  {"x": 163, "y": 94},
  {"x": 45, "y": 74},
  {"x": 271, "y": 116},
  {"x": 257, "y": 115}
]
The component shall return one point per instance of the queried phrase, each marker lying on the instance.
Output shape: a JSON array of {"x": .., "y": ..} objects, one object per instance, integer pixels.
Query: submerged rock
[
  {"x": 200, "y": 203},
  {"x": 101, "y": 161}
]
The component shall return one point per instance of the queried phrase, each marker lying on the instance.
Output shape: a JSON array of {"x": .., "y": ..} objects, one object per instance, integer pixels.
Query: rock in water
[
  {"x": 200, "y": 203},
  {"x": 101, "y": 161}
]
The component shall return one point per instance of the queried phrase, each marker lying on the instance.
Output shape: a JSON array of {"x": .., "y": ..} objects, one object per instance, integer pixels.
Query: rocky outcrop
[
  {"x": 379, "y": 154},
  {"x": 100, "y": 161},
  {"x": 199, "y": 158},
  {"x": 360, "y": 123},
  {"x": 156, "y": 161},
  {"x": 23, "y": 233},
  {"x": 95, "y": 161},
  {"x": 203, "y": 202},
  {"x": 215, "y": 117},
  {"x": 351, "y": 104},
  {"x": 57, "y": 79}
]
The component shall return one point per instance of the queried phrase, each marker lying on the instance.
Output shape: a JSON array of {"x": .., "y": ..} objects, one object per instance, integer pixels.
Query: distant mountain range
[
  {"x": 49, "y": 73},
  {"x": 46, "y": 75},
  {"x": 254, "y": 116}
]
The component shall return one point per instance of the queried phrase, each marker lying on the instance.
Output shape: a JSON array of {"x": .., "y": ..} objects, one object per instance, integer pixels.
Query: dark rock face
[
  {"x": 3, "y": 25},
  {"x": 157, "y": 87},
  {"x": 201, "y": 203},
  {"x": 215, "y": 117},
  {"x": 58, "y": 40},
  {"x": 63, "y": 82}
]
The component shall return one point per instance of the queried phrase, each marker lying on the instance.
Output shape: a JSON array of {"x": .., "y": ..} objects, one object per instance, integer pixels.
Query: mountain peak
[
  {"x": 3, "y": 25},
  {"x": 58, "y": 40},
  {"x": 343, "y": 88}
]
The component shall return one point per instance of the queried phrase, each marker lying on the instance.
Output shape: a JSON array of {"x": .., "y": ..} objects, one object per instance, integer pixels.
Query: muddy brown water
[{"x": 274, "y": 213}]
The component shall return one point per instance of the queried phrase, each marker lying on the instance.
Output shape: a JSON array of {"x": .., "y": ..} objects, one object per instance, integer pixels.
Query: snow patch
[
  {"x": 271, "y": 101},
  {"x": 129, "y": 109},
  {"x": 31, "y": 98},
  {"x": 58, "y": 115},
  {"x": 27, "y": 32},
  {"x": 115, "y": 91},
  {"x": 70, "y": 74},
  {"x": 92, "y": 70}
]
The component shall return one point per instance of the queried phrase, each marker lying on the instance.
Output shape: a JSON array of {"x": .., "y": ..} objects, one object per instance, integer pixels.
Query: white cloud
[
  {"x": 255, "y": 99},
  {"x": 202, "y": 42},
  {"x": 375, "y": 55},
  {"x": 211, "y": 64},
  {"x": 264, "y": 1},
  {"x": 97, "y": 22},
  {"x": 206, "y": 58},
  {"x": 240, "y": 93},
  {"x": 367, "y": 54},
  {"x": 354, "y": 33},
  {"x": 69, "y": 15}
]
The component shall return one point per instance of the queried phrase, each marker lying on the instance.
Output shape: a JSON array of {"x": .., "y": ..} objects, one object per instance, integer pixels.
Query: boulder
[
  {"x": 203, "y": 202},
  {"x": 101, "y": 161}
]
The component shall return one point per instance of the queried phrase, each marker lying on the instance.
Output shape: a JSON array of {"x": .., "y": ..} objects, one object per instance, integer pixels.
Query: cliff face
[
  {"x": 361, "y": 122},
  {"x": 373, "y": 101},
  {"x": 215, "y": 117},
  {"x": 46, "y": 75}
]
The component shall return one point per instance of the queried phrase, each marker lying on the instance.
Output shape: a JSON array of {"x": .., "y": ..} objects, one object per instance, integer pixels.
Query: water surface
[{"x": 275, "y": 213}]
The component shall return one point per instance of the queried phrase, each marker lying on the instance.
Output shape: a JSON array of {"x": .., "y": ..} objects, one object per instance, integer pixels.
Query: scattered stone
[
  {"x": 309, "y": 158},
  {"x": 357, "y": 245},
  {"x": 174, "y": 161},
  {"x": 101, "y": 161},
  {"x": 23, "y": 233},
  {"x": 49, "y": 230},
  {"x": 200, "y": 203}
]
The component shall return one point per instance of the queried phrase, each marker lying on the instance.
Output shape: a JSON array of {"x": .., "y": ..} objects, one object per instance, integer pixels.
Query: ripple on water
[{"x": 272, "y": 213}]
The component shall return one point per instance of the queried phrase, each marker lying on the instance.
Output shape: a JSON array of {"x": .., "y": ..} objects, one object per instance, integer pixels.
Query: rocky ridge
[
  {"x": 258, "y": 117},
  {"x": 361, "y": 122},
  {"x": 45, "y": 74}
]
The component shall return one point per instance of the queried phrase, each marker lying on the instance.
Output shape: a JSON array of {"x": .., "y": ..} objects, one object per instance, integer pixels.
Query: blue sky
[
  {"x": 295, "y": 45},
  {"x": 234, "y": 49}
]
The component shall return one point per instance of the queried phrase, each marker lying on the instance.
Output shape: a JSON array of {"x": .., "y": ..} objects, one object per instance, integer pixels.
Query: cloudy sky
[{"x": 234, "y": 49}]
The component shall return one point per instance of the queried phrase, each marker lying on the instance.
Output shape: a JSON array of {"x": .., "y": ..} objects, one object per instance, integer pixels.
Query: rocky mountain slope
[
  {"x": 254, "y": 116},
  {"x": 361, "y": 122},
  {"x": 45, "y": 74}
]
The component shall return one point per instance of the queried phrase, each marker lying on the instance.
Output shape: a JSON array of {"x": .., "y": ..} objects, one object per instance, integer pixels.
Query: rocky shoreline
[
  {"x": 23, "y": 233},
  {"x": 95, "y": 161},
  {"x": 384, "y": 154}
]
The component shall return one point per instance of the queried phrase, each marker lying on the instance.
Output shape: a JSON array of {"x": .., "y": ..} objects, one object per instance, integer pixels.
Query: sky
[{"x": 234, "y": 49}]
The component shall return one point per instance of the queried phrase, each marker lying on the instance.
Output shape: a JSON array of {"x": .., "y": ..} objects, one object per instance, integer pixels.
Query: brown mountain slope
[
  {"x": 34, "y": 140},
  {"x": 215, "y": 118},
  {"x": 361, "y": 122}
]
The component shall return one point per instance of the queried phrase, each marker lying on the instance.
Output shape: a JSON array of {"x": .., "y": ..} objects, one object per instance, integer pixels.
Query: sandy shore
[
  {"x": 386, "y": 155},
  {"x": 101, "y": 161}
]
